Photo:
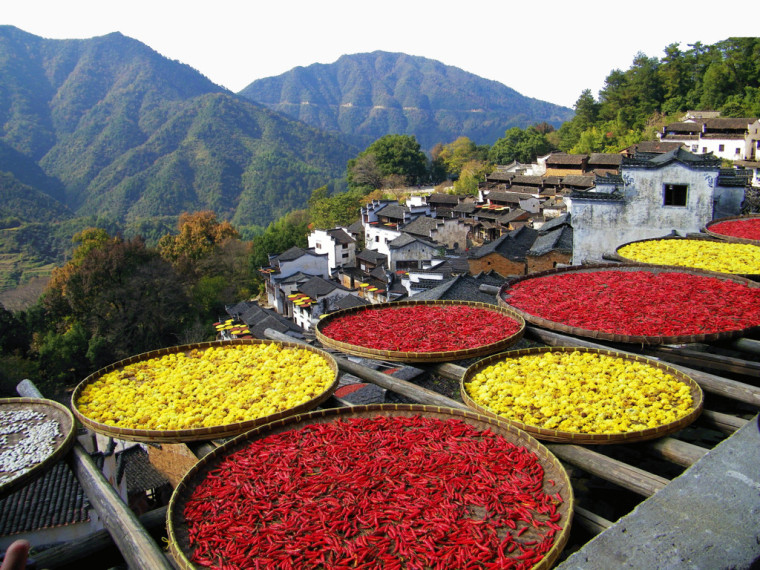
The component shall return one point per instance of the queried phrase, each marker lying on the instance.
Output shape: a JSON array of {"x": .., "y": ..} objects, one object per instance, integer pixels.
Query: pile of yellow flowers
[
  {"x": 724, "y": 257},
  {"x": 205, "y": 388},
  {"x": 581, "y": 392}
]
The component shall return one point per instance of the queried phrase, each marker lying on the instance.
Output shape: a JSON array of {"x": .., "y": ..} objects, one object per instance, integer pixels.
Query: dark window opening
[{"x": 674, "y": 194}]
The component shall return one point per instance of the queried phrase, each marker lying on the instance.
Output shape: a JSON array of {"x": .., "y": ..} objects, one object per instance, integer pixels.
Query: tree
[
  {"x": 454, "y": 156},
  {"x": 520, "y": 145},
  {"x": 471, "y": 175},
  {"x": 392, "y": 154},
  {"x": 199, "y": 234},
  {"x": 289, "y": 231}
]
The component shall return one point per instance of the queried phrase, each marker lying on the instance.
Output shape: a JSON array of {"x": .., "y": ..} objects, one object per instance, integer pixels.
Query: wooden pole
[
  {"x": 592, "y": 522},
  {"x": 725, "y": 423},
  {"x": 135, "y": 544},
  {"x": 627, "y": 476},
  {"x": 676, "y": 451}
]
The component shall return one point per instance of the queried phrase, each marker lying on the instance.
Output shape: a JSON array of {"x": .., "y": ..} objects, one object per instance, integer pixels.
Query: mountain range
[
  {"x": 365, "y": 96},
  {"x": 108, "y": 129}
]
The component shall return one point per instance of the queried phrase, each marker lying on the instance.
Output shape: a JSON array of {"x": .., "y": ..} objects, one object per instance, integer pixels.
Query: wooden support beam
[
  {"x": 709, "y": 382},
  {"x": 408, "y": 389},
  {"x": 725, "y": 423},
  {"x": 592, "y": 522},
  {"x": 137, "y": 548},
  {"x": 676, "y": 451},
  {"x": 702, "y": 359},
  {"x": 609, "y": 469},
  {"x": 746, "y": 345}
]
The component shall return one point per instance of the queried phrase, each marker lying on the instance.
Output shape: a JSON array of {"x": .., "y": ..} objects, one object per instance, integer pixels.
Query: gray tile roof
[
  {"x": 559, "y": 239},
  {"x": 292, "y": 254},
  {"x": 392, "y": 211},
  {"x": 55, "y": 499},
  {"x": 513, "y": 245},
  {"x": 372, "y": 256},
  {"x": 605, "y": 158},
  {"x": 439, "y": 198},
  {"x": 317, "y": 287},
  {"x": 463, "y": 288},
  {"x": 347, "y": 302},
  {"x": 405, "y": 239},
  {"x": 707, "y": 161},
  {"x": 561, "y": 158},
  {"x": 341, "y": 236},
  {"x": 422, "y": 226}
]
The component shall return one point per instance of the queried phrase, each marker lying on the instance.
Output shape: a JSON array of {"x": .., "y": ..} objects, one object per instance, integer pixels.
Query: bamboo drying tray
[
  {"x": 707, "y": 238},
  {"x": 734, "y": 239},
  {"x": 553, "y": 470},
  {"x": 560, "y": 436},
  {"x": 200, "y": 433},
  {"x": 560, "y": 327},
  {"x": 419, "y": 357},
  {"x": 66, "y": 426}
]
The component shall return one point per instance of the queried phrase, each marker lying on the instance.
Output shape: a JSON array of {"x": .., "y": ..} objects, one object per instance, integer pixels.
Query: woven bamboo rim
[
  {"x": 200, "y": 433},
  {"x": 66, "y": 425},
  {"x": 623, "y": 338},
  {"x": 709, "y": 238},
  {"x": 421, "y": 357},
  {"x": 578, "y": 438},
  {"x": 728, "y": 238},
  {"x": 553, "y": 469}
]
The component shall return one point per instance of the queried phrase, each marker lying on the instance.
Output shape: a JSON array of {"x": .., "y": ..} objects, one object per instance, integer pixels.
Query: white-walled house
[
  {"x": 653, "y": 196},
  {"x": 724, "y": 137},
  {"x": 336, "y": 243},
  {"x": 281, "y": 279},
  {"x": 409, "y": 252},
  {"x": 451, "y": 232}
]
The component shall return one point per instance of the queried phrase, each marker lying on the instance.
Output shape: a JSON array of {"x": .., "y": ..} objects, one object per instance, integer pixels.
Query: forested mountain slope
[{"x": 365, "y": 96}]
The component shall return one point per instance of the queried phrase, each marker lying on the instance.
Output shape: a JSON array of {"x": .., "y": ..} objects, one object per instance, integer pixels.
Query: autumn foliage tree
[{"x": 199, "y": 234}]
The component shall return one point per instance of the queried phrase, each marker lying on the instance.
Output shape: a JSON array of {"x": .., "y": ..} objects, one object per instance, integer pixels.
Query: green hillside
[
  {"x": 107, "y": 127},
  {"x": 366, "y": 96}
]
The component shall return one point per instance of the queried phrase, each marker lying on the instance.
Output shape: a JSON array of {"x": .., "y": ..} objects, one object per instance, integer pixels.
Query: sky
[{"x": 549, "y": 50}]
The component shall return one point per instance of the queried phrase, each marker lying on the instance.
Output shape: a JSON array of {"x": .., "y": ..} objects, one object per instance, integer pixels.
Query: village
[{"x": 563, "y": 210}]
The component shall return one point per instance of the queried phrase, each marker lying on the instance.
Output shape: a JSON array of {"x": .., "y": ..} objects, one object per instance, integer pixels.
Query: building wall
[
  {"x": 498, "y": 263},
  {"x": 452, "y": 233},
  {"x": 602, "y": 226},
  {"x": 730, "y": 149},
  {"x": 415, "y": 251},
  {"x": 536, "y": 263},
  {"x": 377, "y": 238},
  {"x": 338, "y": 254}
]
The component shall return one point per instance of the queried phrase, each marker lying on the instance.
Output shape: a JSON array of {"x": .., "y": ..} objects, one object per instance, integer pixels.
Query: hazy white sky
[{"x": 548, "y": 49}]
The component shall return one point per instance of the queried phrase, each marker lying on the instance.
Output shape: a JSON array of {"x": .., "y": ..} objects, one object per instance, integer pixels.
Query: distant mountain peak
[{"x": 365, "y": 96}]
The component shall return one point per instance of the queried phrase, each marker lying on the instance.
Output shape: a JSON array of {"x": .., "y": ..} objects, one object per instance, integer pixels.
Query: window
[
  {"x": 738, "y": 151},
  {"x": 721, "y": 147},
  {"x": 377, "y": 238},
  {"x": 694, "y": 148},
  {"x": 704, "y": 149},
  {"x": 674, "y": 194}
]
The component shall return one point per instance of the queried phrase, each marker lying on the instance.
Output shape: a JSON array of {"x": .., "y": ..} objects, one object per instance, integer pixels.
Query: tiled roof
[
  {"x": 134, "y": 464},
  {"x": 565, "y": 159},
  {"x": 554, "y": 223},
  {"x": 372, "y": 256},
  {"x": 584, "y": 181},
  {"x": 513, "y": 245},
  {"x": 438, "y": 198},
  {"x": 422, "y": 226},
  {"x": 560, "y": 239},
  {"x": 317, "y": 287},
  {"x": 55, "y": 499},
  {"x": 729, "y": 123},
  {"x": 294, "y": 253},
  {"x": 259, "y": 319},
  {"x": 656, "y": 147},
  {"x": 405, "y": 239},
  {"x": 356, "y": 228},
  {"x": 341, "y": 236},
  {"x": 676, "y": 155},
  {"x": 598, "y": 196},
  {"x": 508, "y": 197},
  {"x": 463, "y": 288},
  {"x": 348, "y": 302},
  {"x": 465, "y": 208},
  {"x": 683, "y": 128},
  {"x": 392, "y": 211},
  {"x": 528, "y": 180},
  {"x": 601, "y": 158}
]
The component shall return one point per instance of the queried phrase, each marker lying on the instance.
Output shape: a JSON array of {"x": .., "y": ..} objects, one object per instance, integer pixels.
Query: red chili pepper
[{"x": 416, "y": 507}]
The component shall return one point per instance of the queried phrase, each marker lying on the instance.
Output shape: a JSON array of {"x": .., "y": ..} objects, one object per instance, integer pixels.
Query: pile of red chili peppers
[
  {"x": 747, "y": 229},
  {"x": 381, "y": 492},
  {"x": 639, "y": 303},
  {"x": 422, "y": 328}
]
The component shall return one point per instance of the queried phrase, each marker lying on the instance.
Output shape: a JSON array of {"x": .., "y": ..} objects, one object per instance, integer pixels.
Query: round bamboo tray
[
  {"x": 754, "y": 275},
  {"x": 199, "y": 433},
  {"x": 53, "y": 411},
  {"x": 178, "y": 531},
  {"x": 563, "y": 328},
  {"x": 579, "y": 438},
  {"x": 709, "y": 229},
  {"x": 419, "y": 357}
]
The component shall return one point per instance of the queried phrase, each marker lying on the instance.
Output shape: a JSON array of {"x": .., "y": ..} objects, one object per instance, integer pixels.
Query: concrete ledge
[{"x": 709, "y": 517}]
